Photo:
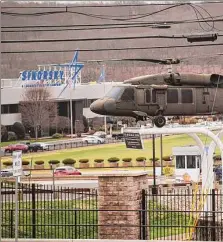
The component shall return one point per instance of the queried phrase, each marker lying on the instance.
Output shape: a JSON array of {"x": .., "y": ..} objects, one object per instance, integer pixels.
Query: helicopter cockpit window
[
  {"x": 187, "y": 96},
  {"x": 115, "y": 92},
  {"x": 128, "y": 94},
  {"x": 172, "y": 96}
]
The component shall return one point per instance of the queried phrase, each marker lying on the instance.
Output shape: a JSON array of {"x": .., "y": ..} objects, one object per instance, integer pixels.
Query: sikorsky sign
[{"x": 42, "y": 75}]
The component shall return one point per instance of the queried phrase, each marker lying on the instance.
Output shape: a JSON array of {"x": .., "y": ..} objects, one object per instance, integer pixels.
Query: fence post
[
  {"x": 143, "y": 216},
  {"x": 33, "y": 212},
  {"x": 11, "y": 223},
  {"x": 213, "y": 216}
]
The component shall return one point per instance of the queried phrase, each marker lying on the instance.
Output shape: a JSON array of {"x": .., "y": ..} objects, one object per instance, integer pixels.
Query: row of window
[
  {"x": 172, "y": 95},
  {"x": 191, "y": 162},
  {"x": 10, "y": 108}
]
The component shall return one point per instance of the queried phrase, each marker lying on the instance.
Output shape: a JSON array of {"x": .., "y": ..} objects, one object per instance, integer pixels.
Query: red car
[
  {"x": 11, "y": 148},
  {"x": 66, "y": 171}
]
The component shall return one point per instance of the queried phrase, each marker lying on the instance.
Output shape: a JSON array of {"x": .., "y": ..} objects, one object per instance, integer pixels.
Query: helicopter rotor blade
[{"x": 161, "y": 61}]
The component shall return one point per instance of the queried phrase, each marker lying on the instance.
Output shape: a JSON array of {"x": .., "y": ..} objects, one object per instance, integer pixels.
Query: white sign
[{"x": 17, "y": 163}]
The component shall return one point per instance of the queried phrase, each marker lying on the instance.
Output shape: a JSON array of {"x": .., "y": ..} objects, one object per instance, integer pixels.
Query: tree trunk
[{"x": 36, "y": 132}]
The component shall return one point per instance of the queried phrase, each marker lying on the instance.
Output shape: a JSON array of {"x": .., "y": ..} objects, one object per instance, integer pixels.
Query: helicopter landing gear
[{"x": 159, "y": 121}]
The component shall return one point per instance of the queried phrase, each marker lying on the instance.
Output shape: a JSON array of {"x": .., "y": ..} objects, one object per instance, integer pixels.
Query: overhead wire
[
  {"x": 116, "y": 18},
  {"x": 170, "y": 22},
  {"x": 100, "y": 38},
  {"x": 112, "y": 49}
]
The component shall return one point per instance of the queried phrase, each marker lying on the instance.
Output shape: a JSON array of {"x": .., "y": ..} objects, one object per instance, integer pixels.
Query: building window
[
  {"x": 148, "y": 96},
  {"x": 13, "y": 108},
  {"x": 180, "y": 161},
  {"x": 191, "y": 161},
  {"x": 187, "y": 96},
  {"x": 128, "y": 95},
  {"x": 5, "y": 109},
  {"x": 172, "y": 96}
]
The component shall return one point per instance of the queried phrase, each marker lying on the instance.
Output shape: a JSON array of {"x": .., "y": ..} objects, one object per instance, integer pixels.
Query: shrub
[
  {"x": 168, "y": 171},
  {"x": 4, "y": 133},
  {"x": 83, "y": 160},
  {"x": 57, "y": 136},
  {"x": 69, "y": 161},
  {"x": 7, "y": 163},
  {"x": 39, "y": 162},
  {"x": 167, "y": 158},
  {"x": 113, "y": 159},
  {"x": 141, "y": 159},
  {"x": 156, "y": 159},
  {"x": 99, "y": 160},
  {"x": 54, "y": 162},
  {"x": 19, "y": 130},
  {"x": 78, "y": 135},
  {"x": 25, "y": 162},
  {"x": 127, "y": 159},
  {"x": 12, "y": 136}
]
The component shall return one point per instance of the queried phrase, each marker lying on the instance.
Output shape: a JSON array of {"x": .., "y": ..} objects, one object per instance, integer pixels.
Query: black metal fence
[
  {"x": 179, "y": 213},
  {"x": 50, "y": 212},
  {"x": 173, "y": 213},
  {"x": 75, "y": 144}
]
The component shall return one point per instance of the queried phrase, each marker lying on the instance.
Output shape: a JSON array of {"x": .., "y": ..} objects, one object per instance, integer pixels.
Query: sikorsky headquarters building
[{"x": 54, "y": 77}]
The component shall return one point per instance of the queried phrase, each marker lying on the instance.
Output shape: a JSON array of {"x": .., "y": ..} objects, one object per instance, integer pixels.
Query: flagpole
[{"x": 105, "y": 119}]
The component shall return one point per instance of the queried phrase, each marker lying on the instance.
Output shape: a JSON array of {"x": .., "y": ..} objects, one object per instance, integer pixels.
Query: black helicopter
[{"x": 159, "y": 95}]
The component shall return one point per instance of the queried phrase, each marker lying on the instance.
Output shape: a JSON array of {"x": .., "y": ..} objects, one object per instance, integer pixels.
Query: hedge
[
  {"x": 141, "y": 159},
  {"x": 7, "y": 163},
  {"x": 39, "y": 162},
  {"x": 127, "y": 159},
  {"x": 113, "y": 159},
  {"x": 83, "y": 160},
  {"x": 53, "y": 162},
  {"x": 99, "y": 160},
  {"x": 25, "y": 162},
  {"x": 69, "y": 161}
]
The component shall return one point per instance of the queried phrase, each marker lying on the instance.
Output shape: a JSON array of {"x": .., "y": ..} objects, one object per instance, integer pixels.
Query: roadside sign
[
  {"x": 17, "y": 163},
  {"x": 133, "y": 141}
]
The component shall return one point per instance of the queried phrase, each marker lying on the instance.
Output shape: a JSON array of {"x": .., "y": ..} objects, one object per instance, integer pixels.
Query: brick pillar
[{"x": 121, "y": 191}]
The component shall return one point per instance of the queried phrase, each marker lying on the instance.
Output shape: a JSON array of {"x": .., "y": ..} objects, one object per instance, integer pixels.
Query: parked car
[
  {"x": 9, "y": 173},
  {"x": 6, "y": 173},
  {"x": 91, "y": 139},
  {"x": 34, "y": 147},
  {"x": 10, "y": 148},
  {"x": 66, "y": 171},
  {"x": 118, "y": 136},
  {"x": 44, "y": 146},
  {"x": 100, "y": 134}
]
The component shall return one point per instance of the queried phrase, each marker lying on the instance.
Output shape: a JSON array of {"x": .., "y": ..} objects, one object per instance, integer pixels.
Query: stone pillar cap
[{"x": 123, "y": 173}]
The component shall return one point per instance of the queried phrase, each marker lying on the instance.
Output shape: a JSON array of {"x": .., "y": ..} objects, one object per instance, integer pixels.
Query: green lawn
[
  {"x": 62, "y": 221},
  {"x": 119, "y": 150}
]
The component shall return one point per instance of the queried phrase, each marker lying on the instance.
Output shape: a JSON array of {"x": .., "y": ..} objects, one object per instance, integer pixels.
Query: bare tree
[
  {"x": 37, "y": 109},
  {"x": 61, "y": 123}
]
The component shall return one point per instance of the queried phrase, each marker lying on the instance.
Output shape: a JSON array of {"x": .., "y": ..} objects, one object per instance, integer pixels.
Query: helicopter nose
[
  {"x": 103, "y": 106},
  {"x": 97, "y": 106}
]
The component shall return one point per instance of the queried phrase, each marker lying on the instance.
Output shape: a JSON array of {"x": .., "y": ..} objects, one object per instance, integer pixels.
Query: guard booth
[{"x": 187, "y": 163}]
